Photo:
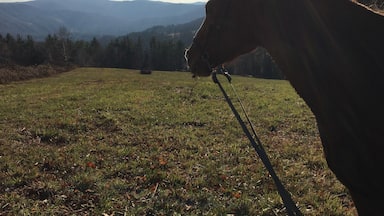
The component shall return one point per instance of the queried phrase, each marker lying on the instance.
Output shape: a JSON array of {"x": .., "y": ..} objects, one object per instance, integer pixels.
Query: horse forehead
[
  {"x": 213, "y": 8},
  {"x": 219, "y": 9},
  {"x": 219, "y": 6}
]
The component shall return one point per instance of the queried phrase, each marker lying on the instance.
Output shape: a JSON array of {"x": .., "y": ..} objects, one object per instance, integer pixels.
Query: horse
[{"x": 332, "y": 53}]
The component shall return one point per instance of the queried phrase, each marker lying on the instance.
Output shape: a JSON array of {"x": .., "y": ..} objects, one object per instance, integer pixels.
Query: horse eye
[{"x": 215, "y": 27}]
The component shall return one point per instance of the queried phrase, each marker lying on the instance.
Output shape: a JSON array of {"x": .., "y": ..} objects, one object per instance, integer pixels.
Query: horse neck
[
  {"x": 289, "y": 20},
  {"x": 309, "y": 39},
  {"x": 296, "y": 25}
]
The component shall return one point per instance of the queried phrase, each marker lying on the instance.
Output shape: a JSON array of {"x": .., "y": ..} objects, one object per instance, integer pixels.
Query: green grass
[{"x": 110, "y": 141}]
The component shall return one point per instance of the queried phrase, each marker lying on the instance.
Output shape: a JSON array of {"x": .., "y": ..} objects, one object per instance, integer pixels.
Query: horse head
[{"x": 222, "y": 36}]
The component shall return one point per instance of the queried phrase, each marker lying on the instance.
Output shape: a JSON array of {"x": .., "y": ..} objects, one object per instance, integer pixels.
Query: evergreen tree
[
  {"x": 94, "y": 51},
  {"x": 52, "y": 49}
]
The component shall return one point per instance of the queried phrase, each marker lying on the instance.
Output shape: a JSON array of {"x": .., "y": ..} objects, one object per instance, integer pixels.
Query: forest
[
  {"x": 133, "y": 51},
  {"x": 122, "y": 52}
]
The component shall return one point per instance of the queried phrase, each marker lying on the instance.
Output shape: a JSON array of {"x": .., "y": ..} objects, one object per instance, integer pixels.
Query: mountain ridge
[{"x": 92, "y": 17}]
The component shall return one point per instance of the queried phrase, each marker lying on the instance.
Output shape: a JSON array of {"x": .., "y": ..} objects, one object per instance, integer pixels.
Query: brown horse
[{"x": 332, "y": 52}]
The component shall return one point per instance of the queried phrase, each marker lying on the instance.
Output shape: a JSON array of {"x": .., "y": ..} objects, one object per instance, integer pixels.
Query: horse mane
[{"x": 376, "y": 10}]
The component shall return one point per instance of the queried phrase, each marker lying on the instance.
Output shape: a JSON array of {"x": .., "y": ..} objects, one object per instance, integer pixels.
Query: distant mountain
[
  {"x": 183, "y": 32},
  {"x": 87, "y": 18}
]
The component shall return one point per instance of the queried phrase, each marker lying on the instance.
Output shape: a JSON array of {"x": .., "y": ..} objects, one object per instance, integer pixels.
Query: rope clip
[{"x": 223, "y": 71}]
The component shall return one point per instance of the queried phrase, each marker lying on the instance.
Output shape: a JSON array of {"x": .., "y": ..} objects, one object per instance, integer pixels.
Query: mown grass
[{"x": 109, "y": 141}]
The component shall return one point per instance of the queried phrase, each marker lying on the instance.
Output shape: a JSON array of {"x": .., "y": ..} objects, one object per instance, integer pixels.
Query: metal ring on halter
[{"x": 221, "y": 70}]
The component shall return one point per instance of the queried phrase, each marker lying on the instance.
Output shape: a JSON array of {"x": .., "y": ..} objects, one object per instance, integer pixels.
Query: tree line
[
  {"x": 132, "y": 51},
  {"x": 121, "y": 52}
]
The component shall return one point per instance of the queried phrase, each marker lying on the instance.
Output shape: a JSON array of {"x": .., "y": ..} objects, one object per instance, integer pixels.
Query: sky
[
  {"x": 12, "y": 1},
  {"x": 173, "y": 1}
]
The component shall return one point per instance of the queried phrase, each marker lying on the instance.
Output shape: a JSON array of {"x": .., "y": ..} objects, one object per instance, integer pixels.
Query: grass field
[{"x": 113, "y": 142}]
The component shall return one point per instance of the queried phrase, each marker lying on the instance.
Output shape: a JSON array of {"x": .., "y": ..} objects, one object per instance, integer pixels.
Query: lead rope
[{"x": 256, "y": 144}]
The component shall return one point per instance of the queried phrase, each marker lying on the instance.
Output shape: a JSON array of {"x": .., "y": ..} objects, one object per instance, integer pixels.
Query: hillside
[
  {"x": 86, "y": 18},
  {"x": 183, "y": 32}
]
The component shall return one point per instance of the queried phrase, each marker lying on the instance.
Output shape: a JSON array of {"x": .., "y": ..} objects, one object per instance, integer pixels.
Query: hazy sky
[
  {"x": 174, "y": 1},
  {"x": 11, "y": 1}
]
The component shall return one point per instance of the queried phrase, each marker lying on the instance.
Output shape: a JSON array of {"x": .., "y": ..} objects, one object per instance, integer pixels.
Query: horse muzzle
[{"x": 198, "y": 63}]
